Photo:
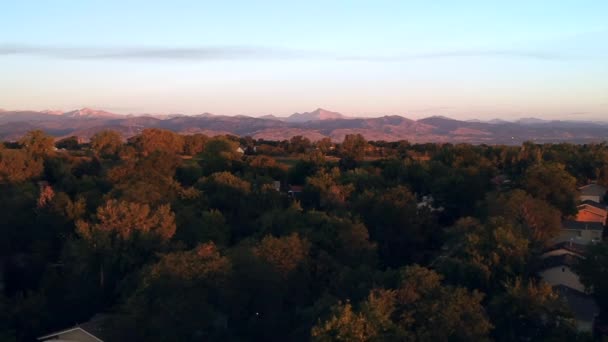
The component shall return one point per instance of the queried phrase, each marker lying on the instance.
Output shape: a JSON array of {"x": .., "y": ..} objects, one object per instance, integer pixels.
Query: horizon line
[{"x": 60, "y": 112}]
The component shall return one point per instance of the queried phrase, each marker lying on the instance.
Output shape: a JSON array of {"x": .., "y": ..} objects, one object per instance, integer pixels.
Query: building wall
[
  {"x": 590, "y": 235},
  {"x": 588, "y": 216},
  {"x": 593, "y": 198},
  {"x": 562, "y": 275},
  {"x": 583, "y": 237}
]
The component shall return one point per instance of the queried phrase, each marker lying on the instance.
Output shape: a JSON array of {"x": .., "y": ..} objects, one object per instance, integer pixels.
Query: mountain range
[{"x": 314, "y": 125}]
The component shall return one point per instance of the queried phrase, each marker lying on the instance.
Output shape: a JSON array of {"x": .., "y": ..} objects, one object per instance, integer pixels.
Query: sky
[{"x": 463, "y": 59}]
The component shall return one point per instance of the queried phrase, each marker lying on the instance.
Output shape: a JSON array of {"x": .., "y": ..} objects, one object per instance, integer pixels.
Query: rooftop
[
  {"x": 559, "y": 260},
  {"x": 583, "y": 306},
  {"x": 593, "y": 189},
  {"x": 569, "y": 246},
  {"x": 594, "y": 204},
  {"x": 94, "y": 327},
  {"x": 576, "y": 225}
]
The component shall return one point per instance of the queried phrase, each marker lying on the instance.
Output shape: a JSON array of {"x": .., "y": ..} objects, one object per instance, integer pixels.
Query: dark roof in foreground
[
  {"x": 567, "y": 245},
  {"x": 95, "y": 327},
  {"x": 559, "y": 260},
  {"x": 582, "y": 305}
]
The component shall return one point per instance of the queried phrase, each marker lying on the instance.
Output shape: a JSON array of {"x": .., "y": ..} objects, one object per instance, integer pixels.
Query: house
[
  {"x": 582, "y": 233},
  {"x": 240, "y": 150},
  {"x": 568, "y": 247},
  {"x": 590, "y": 211},
  {"x": 294, "y": 190},
  {"x": 92, "y": 331},
  {"x": 592, "y": 192},
  {"x": 557, "y": 271},
  {"x": 276, "y": 185}
]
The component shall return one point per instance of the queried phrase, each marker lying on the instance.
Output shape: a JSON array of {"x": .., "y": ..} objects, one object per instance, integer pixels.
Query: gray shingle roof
[
  {"x": 594, "y": 204},
  {"x": 559, "y": 260},
  {"x": 582, "y": 305},
  {"x": 592, "y": 190}
]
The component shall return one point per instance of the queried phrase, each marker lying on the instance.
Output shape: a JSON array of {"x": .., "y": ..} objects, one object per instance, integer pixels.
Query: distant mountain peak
[
  {"x": 437, "y": 119},
  {"x": 89, "y": 113},
  {"x": 442, "y": 117},
  {"x": 270, "y": 117},
  {"x": 318, "y": 114},
  {"x": 205, "y": 115},
  {"x": 314, "y": 125},
  {"x": 498, "y": 121},
  {"x": 531, "y": 120},
  {"x": 52, "y": 112}
]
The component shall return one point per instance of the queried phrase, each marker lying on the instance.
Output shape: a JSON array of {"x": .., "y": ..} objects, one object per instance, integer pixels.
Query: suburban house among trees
[
  {"x": 589, "y": 211},
  {"x": 593, "y": 192},
  {"x": 569, "y": 248}
]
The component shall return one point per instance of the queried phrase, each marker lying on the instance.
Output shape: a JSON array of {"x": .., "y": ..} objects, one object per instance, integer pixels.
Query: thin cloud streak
[
  {"x": 196, "y": 53},
  {"x": 220, "y": 53},
  {"x": 541, "y": 55}
]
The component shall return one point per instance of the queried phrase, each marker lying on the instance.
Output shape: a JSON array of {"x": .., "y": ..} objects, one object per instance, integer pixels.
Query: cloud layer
[{"x": 256, "y": 53}]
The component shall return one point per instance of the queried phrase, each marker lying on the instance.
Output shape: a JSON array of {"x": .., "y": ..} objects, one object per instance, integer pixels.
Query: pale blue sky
[{"x": 463, "y": 59}]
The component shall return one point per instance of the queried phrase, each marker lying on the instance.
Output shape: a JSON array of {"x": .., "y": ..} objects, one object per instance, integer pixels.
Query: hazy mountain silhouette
[{"x": 314, "y": 125}]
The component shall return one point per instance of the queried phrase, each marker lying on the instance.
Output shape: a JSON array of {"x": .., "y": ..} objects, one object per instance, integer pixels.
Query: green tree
[
  {"x": 153, "y": 139},
  {"x": 194, "y": 144},
  {"x": 121, "y": 238},
  {"x": 352, "y": 150},
  {"x": 593, "y": 273},
  {"x": 265, "y": 166},
  {"x": 231, "y": 196},
  {"x": 37, "y": 143},
  {"x": 147, "y": 179},
  {"x": 18, "y": 166},
  {"x": 324, "y": 190},
  {"x": 179, "y": 298},
  {"x": 403, "y": 233},
  {"x": 482, "y": 255},
  {"x": 420, "y": 309},
  {"x": 219, "y": 155},
  {"x": 285, "y": 253},
  {"x": 196, "y": 227},
  {"x": 69, "y": 143},
  {"x": 106, "y": 143},
  {"x": 353, "y": 147},
  {"x": 530, "y": 311},
  {"x": 371, "y": 324},
  {"x": 325, "y": 145},
  {"x": 552, "y": 183},
  {"x": 299, "y": 144},
  {"x": 540, "y": 220}
]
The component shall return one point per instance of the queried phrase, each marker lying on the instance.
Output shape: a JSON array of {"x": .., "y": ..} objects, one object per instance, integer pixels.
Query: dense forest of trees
[{"x": 186, "y": 238}]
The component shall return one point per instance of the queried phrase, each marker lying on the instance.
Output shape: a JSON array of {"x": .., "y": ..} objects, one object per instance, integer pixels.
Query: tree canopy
[{"x": 224, "y": 238}]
